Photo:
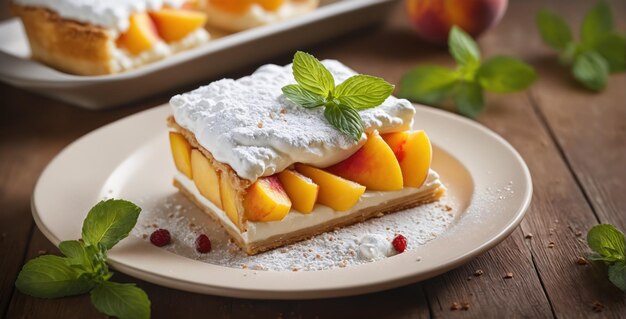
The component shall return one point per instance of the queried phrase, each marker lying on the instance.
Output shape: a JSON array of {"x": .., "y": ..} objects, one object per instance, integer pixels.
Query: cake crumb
[
  {"x": 144, "y": 236},
  {"x": 295, "y": 269},
  {"x": 447, "y": 208},
  {"x": 529, "y": 236},
  {"x": 478, "y": 272},
  {"x": 155, "y": 226},
  {"x": 578, "y": 233},
  {"x": 455, "y": 306},
  {"x": 597, "y": 306},
  {"x": 551, "y": 244},
  {"x": 244, "y": 266},
  {"x": 465, "y": 306},
  {"x": 260, "y": 124},
  {"x": 582, "y": 261},
  {"x": 42, "y": 252},
  {"x": 469, "y": 278},
  {"x": 508, "y": 275}
]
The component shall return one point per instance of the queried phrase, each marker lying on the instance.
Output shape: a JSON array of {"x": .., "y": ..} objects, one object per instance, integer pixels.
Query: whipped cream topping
[
  {"x": 295, "y": 220},
  {"x": 374, "y": 246},
  {"x": 110, "y": 14},
  {"x": 250, "y": 125},
  {"x": 258, "y": 14}
]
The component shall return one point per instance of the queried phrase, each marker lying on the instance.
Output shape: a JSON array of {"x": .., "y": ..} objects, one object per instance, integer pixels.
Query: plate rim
[{"x": 315, "y": 293}]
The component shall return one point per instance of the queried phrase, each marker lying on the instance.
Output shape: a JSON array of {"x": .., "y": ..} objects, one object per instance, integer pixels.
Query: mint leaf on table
[
  {"x": 433, "y": 84},
  {"x": 502, "y": 74},
  {"x": 609, "y": 246},
  {"x": 601, "y": 50},
  {"x": 124, "y": 301},
  {"x": 109, "y": 222},
  {"x": 316, "y": 88},
  {"x": 553, "y": 29},
  {"x": 51, "y": 277},
  {"x": 84, "y": 267},
  {"x": 592, "y": 70}
]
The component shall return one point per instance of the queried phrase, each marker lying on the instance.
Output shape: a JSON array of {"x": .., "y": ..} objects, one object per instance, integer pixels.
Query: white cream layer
[
  {"x": 110, "y": 14},
  {"x": 124, "y": 60},
  {"x": 294, "y": 221},
  {"x": 250, "y": 125}
]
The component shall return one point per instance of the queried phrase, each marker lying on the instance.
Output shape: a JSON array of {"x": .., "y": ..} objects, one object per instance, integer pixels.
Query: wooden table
[{"x": 573, "y": 141}]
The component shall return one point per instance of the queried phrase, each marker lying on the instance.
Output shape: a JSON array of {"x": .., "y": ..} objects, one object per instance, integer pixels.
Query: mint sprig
[
  {"x": 433, "y": 85},
  {"x": 316, "y": 88},
  {"x": 610, "y": 247},
  {"x": 601, "y": 49},
  {"x": 84, "y": 269}
]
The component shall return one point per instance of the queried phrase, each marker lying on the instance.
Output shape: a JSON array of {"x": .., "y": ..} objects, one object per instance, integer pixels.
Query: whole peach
[{"x": 434, "y": 18}]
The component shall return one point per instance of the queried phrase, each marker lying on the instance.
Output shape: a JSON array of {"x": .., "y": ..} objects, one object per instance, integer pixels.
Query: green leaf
[
  {"x": 568, "y": 54},
  {"x": 591, "y": 69},
  {"x": 124, "y": 301},
  {"x": 597, "y": 23},
  {"x": 608, "y": 242},
  {"x": 345, "y": 119},
  {"x": 312, "y": 75},
  {"x": 462, "y": 47},
  {"x": 612, "y": 47},
  {"x": 617, "y": 275},
  {"x": 427, "y": 84},
  {"x": 503, "y": 74},
  {"x": 51, "y": 277},
  {"x": 553, "y": 29},
  {"x": 469, "y": 99},
  {"x": 363, "y": 91},
  {"x": 109, "y": 222},
  {"x": 300, "y": 96},
  {"x": 76, "y": 253}
]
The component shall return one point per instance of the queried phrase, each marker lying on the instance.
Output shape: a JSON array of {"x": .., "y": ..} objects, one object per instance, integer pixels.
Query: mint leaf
[
  {"x": 617, "y": 275},
  {"x": 427, "y": 84},
  {"x": 345, "y": 119},
  {"x": 553, "y": 29},
  {"x": 597, "y": 23},
  {"x": 462, "y": 47},
  {"x": 591, "y": 69},
  {"x": 363, "y": 91},
  {"x": 612, "y": 47},
  {"x": 469, "y": 99},
  {"x": 124, "y": 301},
  {"x": 312, "y": 75},
  {"x": 300, "y": 96},
  {"x": 608, "y": 242},
  {"x": 503, "y": 74},
  {"x": 51, "y": 277},
  {"x": 109, "y": 222},
  {"x": 76, "y": 254}
]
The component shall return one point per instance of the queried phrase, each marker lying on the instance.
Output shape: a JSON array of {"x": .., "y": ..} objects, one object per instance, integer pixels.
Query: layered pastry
[
  {"x": 272, "y": 172},
  {"x": 89, "y": 37},
  {"x": 237, "y": 15}
]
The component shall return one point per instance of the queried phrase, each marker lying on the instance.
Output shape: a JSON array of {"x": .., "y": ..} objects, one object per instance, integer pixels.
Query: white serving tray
[{"x": 197, "y": 65}]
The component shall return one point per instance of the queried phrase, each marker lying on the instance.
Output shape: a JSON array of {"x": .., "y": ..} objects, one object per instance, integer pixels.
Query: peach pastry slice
[
  {"x": 238, "y": 15},
  {"x": 272, "y": 173},
  {"x": 90, "y": 37}
]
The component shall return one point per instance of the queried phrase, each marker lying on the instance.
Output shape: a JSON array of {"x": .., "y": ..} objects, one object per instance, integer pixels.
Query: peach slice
[
  {"x": 141, "y": 34},
  {"x": 335, "y": 192},
  {"x": 228, "y": 198},
  {"x": 175, "y": 24},
  {"x": 181, "y": 151},
  {"x": 232, "y": 6},
  {"x": 206, "y": 177},
  {"x": 300, "y": 189},
  {"x": 374, "y": 166},
  {"x": 414, "y": 153},
  {"x": 266, "y": 200},
  {"x": 270, "y": 5}
]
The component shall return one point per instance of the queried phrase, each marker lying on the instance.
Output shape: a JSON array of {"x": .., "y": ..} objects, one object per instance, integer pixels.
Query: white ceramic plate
[
  {"x": 221, "y": 55},
  {"x": 487, "y": 180}
]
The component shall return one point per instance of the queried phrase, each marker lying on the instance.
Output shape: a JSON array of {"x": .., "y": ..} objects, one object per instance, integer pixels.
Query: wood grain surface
[{"x": 573, "y": 141}]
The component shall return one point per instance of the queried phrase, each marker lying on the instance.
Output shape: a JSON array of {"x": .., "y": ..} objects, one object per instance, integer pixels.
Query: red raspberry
[
  {"x": 203, "y": 244},
  {"x": 160, "y": 237},
  {"x": 399, "y": 243}
]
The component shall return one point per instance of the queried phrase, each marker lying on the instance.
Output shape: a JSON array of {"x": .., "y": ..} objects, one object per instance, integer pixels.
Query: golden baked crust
[
  {"x": 228, "y": 21},
  {"x": 66, "y": 45},
  {"x": 240, "y": 185}
]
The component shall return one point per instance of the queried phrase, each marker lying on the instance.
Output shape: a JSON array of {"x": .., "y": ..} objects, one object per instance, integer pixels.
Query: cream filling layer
[
  {"x": 294, "y": 221},
  {"x": 124, "y": 60}
]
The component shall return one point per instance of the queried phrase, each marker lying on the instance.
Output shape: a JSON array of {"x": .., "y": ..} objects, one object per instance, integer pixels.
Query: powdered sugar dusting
[
  {"x": 339, "y": 248},
  {"x": 250, "y": 125}
]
